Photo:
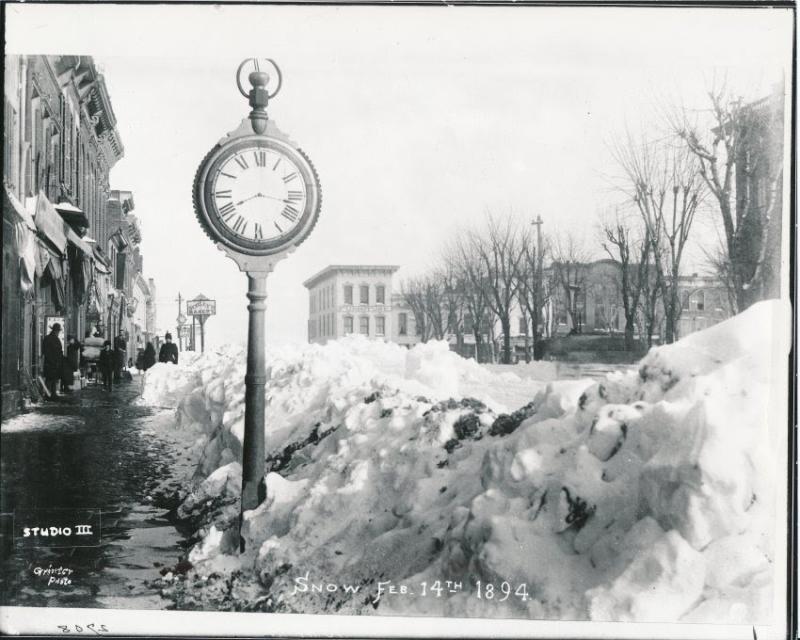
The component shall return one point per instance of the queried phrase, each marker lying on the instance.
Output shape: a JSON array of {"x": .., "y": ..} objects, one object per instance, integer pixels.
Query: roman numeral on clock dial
[
  {"x": 294, "y": 196},
  {"x": 258, "y": 234},
  {"x": 239, "y": 225},
  {"x": 290, "y": 213},
  {"x": 290, "y": 177},
  {"x": 261, "y": 158},
  {"x": 241, "y": 162},
  {"x": 227, "y": 211},
  {"x": 225, "y": 193}
]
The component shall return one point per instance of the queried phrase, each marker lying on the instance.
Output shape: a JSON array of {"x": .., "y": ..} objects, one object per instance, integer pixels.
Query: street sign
[
  {"x": 257, "y": 196},
  {"x": 201, "y": 307}
]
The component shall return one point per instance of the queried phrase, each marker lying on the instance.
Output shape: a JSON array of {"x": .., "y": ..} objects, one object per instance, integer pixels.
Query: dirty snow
[{"x": 647, "y": 496}]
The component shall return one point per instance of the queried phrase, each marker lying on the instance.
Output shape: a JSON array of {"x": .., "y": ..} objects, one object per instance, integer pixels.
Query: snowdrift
[{"x": 645, "y": 497}]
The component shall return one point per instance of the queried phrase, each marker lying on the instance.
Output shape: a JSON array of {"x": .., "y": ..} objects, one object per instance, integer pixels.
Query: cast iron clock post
[{"x": 257, "y": 195}]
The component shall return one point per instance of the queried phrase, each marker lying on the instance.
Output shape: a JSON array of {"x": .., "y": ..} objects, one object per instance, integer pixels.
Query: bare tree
[
  {"x": 741, "y": 147},
  {"x": 499, "y": 252},
  {"x": 425, "y": 297},
  {"x": 413, "y": 292},
  {"x": 569, "y": 269},
  {"x": 664, "y": 181},
  {"x": 532, "y": 289},
  {"x": 631, "y": 249},
  {"x": 469, "y": 280}
]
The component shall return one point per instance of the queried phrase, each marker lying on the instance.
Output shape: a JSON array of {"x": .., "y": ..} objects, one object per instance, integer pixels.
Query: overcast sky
[{"x": 418, "y": 120}]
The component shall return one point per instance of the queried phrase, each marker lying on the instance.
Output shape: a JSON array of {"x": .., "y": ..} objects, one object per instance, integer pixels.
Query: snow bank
[{"x": 645, "y": 497}]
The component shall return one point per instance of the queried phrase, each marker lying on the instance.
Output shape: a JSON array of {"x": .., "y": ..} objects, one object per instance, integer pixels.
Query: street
[{"x": 91, "y": 450}]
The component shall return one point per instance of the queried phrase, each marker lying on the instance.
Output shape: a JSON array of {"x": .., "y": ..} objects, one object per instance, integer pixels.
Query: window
[
  {"x": 348, "y": 323},
  {"x": 701, "y": 300},
  {"x": 402, "y": 324},
  {"x": 380, "y": 326},
  {"x": 380, "y": 294},
  {"x": 120, "y": 284},
  {"x": 363, "y": 325},
  {"x": 363, "y": 297},
  {"x": 523, "y": 325},
  {"x": 348, "y": 294}
]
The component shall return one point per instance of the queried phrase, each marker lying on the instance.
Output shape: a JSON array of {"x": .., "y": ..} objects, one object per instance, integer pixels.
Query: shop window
[
  {"x": 363, "y": 325},
  {"x": 348, "y": 324},
  {"x": 380, "y": 326}
]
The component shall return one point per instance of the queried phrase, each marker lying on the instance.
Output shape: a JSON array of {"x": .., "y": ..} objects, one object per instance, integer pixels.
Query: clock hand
[{"x": 258, "y": 195}]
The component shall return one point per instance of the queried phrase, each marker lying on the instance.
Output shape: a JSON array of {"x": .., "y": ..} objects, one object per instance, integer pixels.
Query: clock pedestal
[{"x": 254, "y": 489}]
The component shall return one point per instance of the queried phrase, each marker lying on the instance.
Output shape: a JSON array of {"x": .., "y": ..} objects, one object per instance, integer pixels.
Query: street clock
[{"x": 257, "y": 196}]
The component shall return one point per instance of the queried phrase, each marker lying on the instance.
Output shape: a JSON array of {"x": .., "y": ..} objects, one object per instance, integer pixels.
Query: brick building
[{"x": 60, "y": 143}]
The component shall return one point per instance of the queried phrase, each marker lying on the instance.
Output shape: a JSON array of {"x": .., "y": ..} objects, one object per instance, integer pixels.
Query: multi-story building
[
  {"x": 358, "y": 299},
  {"x": 60, "y": 143}
]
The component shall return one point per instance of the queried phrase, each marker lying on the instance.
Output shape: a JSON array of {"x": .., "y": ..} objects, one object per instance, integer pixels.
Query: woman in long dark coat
[{"x": 149, "y": 357}]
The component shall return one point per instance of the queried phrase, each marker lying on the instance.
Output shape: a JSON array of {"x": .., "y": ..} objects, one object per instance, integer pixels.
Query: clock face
[{"x": 259, "y": 193}]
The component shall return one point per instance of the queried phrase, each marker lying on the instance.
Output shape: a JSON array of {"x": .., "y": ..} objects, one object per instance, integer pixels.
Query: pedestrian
[
  {"x": 169, "y": 350},
  {"x": 74, "y": 353},
  {"x": 120, "y": 349},
  {"x": 53, "y": 356},
  {"x": 70, "y": 364},
  {"x": 106, "y": 365},
  {"x": 149, "y": 357}
]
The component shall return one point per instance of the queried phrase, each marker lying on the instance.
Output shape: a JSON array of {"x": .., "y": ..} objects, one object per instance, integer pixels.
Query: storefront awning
[
  {"x": 100, "y": 260},
  {"x": 13, "y": 207},
  {"x": 24, "y": 238},
  {"x": 50, "y": 224},
  {"x": 76, "y": 241},
  {"x": 72, "y": 214}
]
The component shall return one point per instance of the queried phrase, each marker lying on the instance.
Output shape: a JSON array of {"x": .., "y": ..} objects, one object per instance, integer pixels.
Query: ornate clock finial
[{"x": 259, "y": 95}]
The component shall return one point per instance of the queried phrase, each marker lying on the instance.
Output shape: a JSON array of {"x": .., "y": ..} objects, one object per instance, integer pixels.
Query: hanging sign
[{"x": 201, "y": 307}]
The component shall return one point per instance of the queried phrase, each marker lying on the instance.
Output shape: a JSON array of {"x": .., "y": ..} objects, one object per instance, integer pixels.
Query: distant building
[
  {"x": 704, "y": 302},
  {"x": 358, "y": 299}
]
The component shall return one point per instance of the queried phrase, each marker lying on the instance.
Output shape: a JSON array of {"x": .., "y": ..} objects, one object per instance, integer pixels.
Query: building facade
[
  {"x": 358, "y": 299},
  {"x": 60, "y": 144}
]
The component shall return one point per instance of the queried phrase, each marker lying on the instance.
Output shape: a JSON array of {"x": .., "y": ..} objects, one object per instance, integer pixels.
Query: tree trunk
[
  {"x": 629, "y": 340},
  {"x": 505, "y": 323}
]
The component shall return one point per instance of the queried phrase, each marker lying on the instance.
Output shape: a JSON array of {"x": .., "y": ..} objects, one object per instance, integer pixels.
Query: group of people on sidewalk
[{"x": 60, "y": 367}]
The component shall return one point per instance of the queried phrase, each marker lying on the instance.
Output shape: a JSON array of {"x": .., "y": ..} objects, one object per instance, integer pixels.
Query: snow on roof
[{"x": 66, "y": 206}]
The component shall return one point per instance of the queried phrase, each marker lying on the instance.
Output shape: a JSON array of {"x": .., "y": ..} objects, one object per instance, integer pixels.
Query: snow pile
[
  {"x": 166, "y": 384},
  {"x": 646, "y": 497}
]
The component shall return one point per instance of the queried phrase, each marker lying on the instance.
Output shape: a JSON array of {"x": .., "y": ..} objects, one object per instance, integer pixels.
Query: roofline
[{"x": 333, "y": 268}]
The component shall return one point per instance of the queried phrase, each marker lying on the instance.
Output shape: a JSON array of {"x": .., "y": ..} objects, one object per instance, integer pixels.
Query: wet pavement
[{"x": 89, "y": 450}]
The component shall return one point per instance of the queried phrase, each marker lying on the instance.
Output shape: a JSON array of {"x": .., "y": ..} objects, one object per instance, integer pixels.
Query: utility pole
[
  {"x": 539, "y": 275},
  {"x": 180, "y": 320}
]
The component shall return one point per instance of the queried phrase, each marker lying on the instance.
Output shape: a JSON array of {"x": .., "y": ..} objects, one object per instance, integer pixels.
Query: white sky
[{"x": 418, "y": 119}]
